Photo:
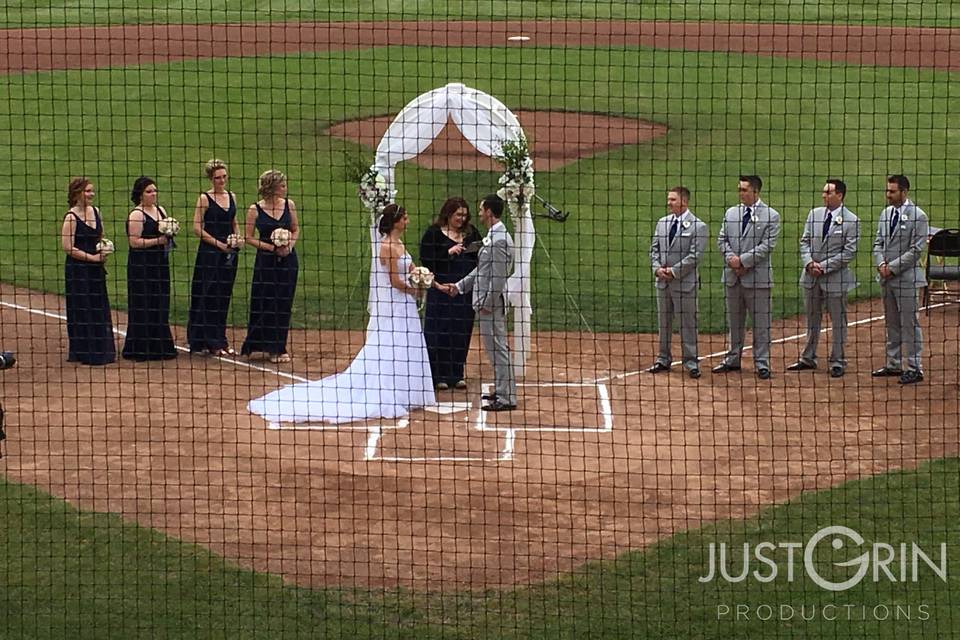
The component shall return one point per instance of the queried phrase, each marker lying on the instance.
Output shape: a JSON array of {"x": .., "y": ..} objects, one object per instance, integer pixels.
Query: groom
[{"x": 488, "y": 283}]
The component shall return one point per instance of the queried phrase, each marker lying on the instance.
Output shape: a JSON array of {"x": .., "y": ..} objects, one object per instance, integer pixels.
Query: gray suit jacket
[
  {"x": 902, "y": 250},
  {"x": 753, "y": 247},
  {"x": 834, "y": 253},
  {"x": 488, "y": 281},
  {"x": 683, "y": 255}
]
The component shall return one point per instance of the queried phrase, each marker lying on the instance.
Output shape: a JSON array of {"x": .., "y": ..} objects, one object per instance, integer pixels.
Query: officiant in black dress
[{"x": 448, "y": 324}]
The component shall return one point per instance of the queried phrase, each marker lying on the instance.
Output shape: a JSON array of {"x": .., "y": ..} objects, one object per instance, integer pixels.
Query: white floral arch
[{"x": 487, "y": 124}]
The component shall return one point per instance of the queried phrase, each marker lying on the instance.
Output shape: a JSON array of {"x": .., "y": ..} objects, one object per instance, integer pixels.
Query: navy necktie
[
  {"x": 826, "y": 225},
  {"x": 673, "y": 228},
  {"x": 894, "y": 221},
  {"x": 746, "y": 221}
]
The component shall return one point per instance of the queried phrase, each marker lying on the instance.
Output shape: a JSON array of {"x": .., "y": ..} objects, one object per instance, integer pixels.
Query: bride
[{"x": 391, "y": 374}]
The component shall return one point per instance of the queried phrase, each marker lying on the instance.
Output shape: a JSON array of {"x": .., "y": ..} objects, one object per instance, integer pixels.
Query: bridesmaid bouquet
[
  {"x": 420, "y": 278},
  {"x": 105, "y": 247},
  {"x": 234, "y": 241},
  {"x": 169, "y": 227},
  {"x": 280, "y": 237}
]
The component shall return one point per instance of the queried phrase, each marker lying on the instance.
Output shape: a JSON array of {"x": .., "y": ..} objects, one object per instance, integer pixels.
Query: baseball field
[{"x": 142, "y": 499}]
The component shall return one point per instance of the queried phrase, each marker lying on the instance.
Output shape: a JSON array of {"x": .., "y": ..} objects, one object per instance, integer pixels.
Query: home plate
[{"x": 446, "y": 408}]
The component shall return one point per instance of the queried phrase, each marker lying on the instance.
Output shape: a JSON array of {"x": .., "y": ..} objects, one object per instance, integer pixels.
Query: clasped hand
[{"x": 448, "y": 288}]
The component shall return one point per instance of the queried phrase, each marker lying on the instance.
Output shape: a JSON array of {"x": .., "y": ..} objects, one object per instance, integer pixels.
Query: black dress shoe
[
  {"x": 496, "y": 405},
  {"x": 763, "y": 374},
  {"x": 886, "y": 372},
  {"x": 911, "y": 376},
  {"x": 723, "y": 367},
  {"x": 7, "y": 359},
  {"x": 836, "y": 372},
  {"x": 694, "y": 373},
  {"x": 800, "y": 365},
  {"x": 658, "y": 367},
  {"x": 489, "y": 396}
]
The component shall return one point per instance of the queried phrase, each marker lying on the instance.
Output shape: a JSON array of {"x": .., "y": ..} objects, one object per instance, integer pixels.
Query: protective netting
[{"x": 479, "y": 320}]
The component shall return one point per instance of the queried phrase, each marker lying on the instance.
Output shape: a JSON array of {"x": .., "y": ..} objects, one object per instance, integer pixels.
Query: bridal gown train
[{"x": 389, "y": 377}]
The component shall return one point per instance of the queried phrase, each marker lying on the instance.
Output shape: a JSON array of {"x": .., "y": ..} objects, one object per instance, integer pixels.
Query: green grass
[
  {"x": 942, "y": 13},
  {"x": 65, "y": 573},
  {"x": 727, "y": 114}
]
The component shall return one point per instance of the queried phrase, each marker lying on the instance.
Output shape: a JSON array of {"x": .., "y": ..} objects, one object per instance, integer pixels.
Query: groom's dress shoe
[
  {"x": 497, "y": 405},
  {"x": 723, "y": 367},
  {"x": 887, "y": 372},
  {"x": 489, "y": 396}
]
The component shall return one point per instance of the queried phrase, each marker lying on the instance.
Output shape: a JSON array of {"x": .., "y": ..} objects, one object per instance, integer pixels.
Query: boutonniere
[
  {"x": 487, "y": 241},
  {"x": 686, "y": 224},
  {"x": 838, "y": 219}
]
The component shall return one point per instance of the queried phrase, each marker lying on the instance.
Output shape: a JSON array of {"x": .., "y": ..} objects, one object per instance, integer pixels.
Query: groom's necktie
[
  {"x": 894, "y": 221},
  {"x": 746, "y": 222},
  {"x": 826, "y": 225},
  {"x": 673, "y": 229}
]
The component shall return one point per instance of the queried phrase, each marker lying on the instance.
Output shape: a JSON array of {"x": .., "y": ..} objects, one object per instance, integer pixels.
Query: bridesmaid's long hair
[
  {"x": 76, "y": 187},
  {"x": 391, "y": 213}
]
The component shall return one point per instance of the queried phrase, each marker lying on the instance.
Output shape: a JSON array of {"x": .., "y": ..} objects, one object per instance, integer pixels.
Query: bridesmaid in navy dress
[
  {"x": 89, "y": 326},
  {"x": 275, "y": 270},
  {"x": 148, "y": 278},
  {"x": 448, "y": 322},
  {"x": 214, "y": 221}
]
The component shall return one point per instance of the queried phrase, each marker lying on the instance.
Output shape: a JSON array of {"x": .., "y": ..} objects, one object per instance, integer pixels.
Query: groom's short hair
[{"x": 494, "y": 203}]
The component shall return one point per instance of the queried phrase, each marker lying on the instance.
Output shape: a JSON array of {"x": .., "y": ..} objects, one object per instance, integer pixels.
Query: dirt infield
[
  {"x": 24, "y": 50},
  {"x": 447, "y": 501},
  {"x": 557, "y": 138}
]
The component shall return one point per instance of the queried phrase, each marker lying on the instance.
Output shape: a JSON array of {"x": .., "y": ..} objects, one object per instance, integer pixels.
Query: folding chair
[{"x": 944, "y": 244}]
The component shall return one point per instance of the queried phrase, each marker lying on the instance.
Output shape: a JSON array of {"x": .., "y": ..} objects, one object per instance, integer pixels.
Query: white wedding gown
[{"x": 389, "y": 377}]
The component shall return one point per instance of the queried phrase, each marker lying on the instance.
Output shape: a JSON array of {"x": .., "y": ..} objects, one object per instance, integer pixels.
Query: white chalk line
[
  {"x": 797, "y": 336},
  {"x": 121, "y": 333}
]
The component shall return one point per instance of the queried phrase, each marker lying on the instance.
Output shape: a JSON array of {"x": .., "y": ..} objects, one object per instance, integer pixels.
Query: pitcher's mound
[{"x": 556, "y": 139}]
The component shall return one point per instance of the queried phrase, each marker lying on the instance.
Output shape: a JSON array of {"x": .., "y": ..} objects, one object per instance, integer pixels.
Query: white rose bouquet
[
  {"x": 280, "y": 237},
  {"x": 234, "y": 241},
  {"x": 105, "y": 247},
  {"x": 420, "y": 278},
  {"x": 169, "y": 227}
]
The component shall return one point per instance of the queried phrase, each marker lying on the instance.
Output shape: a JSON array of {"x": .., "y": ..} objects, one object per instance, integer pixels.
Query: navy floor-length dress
[
  {"x": 271, "y": 295},
  {"x": 89, "y": 326},
  {"x": 148, "y": 297},
  {"x": 213, "y": 276},
  {"x": 448, "y": 322}
]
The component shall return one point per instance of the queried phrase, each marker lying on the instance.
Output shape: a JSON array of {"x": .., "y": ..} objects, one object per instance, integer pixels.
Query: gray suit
[
  {"x": 752, "y": 292},
  {"x": 901, "y": 251},
  {"x": 680, "y": 294},
  {"x": 488, "y": 283},
  {"x": 833, "y": 252}
]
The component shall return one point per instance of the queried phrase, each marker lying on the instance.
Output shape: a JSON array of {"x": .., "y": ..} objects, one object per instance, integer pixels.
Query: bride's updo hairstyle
[{"x": 391, "y": 213}]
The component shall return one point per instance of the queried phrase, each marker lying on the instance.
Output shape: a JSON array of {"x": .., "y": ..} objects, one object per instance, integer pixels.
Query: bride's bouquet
[
  {"x": 280, "y": 237},
  {"x": 420, "y": 278},
  {"x": 169, "y": 227},
  {"x": 105, "y": 247}
]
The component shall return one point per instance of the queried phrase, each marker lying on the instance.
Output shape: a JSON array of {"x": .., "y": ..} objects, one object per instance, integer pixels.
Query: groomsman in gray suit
[
  {"x": 746, "y": 240},
  {"x": 679, "y": 242},
  {"x": 827, "y": 247},
  {"x": 488, "y": 282},
  {"x": 901, "y": 237}
]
